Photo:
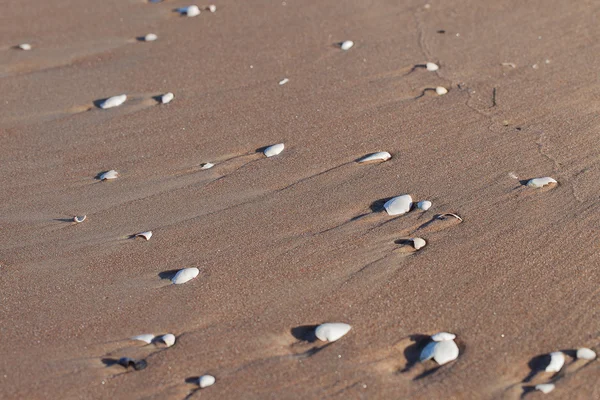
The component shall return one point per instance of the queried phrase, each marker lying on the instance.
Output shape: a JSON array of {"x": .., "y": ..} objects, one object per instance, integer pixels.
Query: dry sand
[{"x": 276, "y": 240}]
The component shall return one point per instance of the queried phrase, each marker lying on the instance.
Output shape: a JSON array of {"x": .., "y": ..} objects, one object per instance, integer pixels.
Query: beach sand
[{"x": 297, "y": 239}]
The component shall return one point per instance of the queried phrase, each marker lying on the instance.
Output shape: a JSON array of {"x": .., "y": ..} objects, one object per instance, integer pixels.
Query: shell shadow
[
  {"x": 99, "y": 102},
  {"x": 404, "y": 242},
  {"x": 168, "y": 274},
  {"x": 109, "y": 362},
  {"x": 192, "y": 380},
  {"x": 377, "y": 206},
  {"x": 63, "y": 219},
  {"x": 412, "y": 353},
  {"x": 305, "y": 333},
  {"x": 98, "y": 176},
  {"x": 536, "y": 364}
]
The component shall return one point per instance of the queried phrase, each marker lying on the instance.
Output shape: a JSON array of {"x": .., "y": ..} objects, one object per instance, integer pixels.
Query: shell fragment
[
  {"x": 79, "y": 219},
  {"x": 346, "y": 45},
  {"x": 114, "y": 101},
  {"x": 206, "y": 165},
  {"x": 332, "y": 331},
  {"x": 424, "y": 205},
  {"x": 398, "y": 205},
  {"x": 557, "y": 360},
  {"x": 540, "y": 182},
  {"x": 545, "y": 387},
  {"x": 146, "y": 337},
  {"x": 108, "y": 175},
  {"x": 419, "y": 243},
  {"x": 185, "y": 275},
  {"x": 274, "y": 150},
  {"x": 283, "y": 81},
  {"x": 379, "y": 156},
  {"x": 432, "y": 66},
  {"x": 151, "y": 37},
  {"x": 586, "y": 354},
  {"x": 166, "y": 98},
  {"x": 24, "y": 46},
  {"x": 146, "y": 235},
  {"x": 205, "y": 381}
]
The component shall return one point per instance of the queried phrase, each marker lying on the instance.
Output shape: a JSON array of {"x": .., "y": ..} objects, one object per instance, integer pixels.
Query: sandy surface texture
[{"x": 301, "y": 238}]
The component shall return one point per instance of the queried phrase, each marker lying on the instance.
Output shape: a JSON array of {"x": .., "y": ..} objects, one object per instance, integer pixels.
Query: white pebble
[
  {"x": 274, "y": 150},
  {"x": 206, "y": 381},
  {"x": 398, "y": 205},
  {"x": 424, "y": 205},
  {"x": 145, "y": 235},
  {"x": 79, "y": 219},
  {"x": 185, "y": 275},
  {"x": 379, "y": 156},
  {"x": 431, "y": 67},
  {"x": 586, "y": 354},
  {"x": 557, "y": 360},
  {"x": 540, "y": 182},
  {"x": 25, "y": 46},
  {"x": 419, "y": 243},
  {"x": 166, "y": 98},
  {"x": 347, "y": 45},
  {"x": 442, "y": 352},
  {"x": 146, "y": 337},
  {"x": 168, "y": 339},
  {"x": 190, "y": 11},
  {"x": 212, "y": 8},
  {"x": 440, "y": 90},
  {"x": 284, "y": 81},
  {"x": 114, "y": 101},
  {"x": 108, "y": 175},
  {"x": 151, "y": 37},
  {"x": 206, "y": 165},
  {"x": 545, "y": 387},
  {"x": 332, "y": 331},
  {"x": 441, "y": 336}
]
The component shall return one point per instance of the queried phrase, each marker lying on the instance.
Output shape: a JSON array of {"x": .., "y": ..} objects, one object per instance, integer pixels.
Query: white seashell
[
  {"x": 441, "y": 336},
  {"x": 184, "y": 275},
  {"x": 419, "y": 243},
  {"x": 151, "y": 37},
  {"x": 168, "y": 339},
  {"x": 540, "y": 182},
  {"x": 440, "y": 90},
  {"x": 166, "y": 98},
  {"x": 431, "y": 66},
  {"x": 424, "y": 205},
  {"x": 146, "y": 337},
  {"x": 108, "y": 175},
  {"x": 114, "y": 101},
  {"x": 379, "y": 156},
  {"x": 450, "y": 215},
  {"x": 25, "y": 46},
  {"x": 545, "y": 387},
  {"x": 331, "y": 331},
  {"x": 284, "y": 81},
  {"x": 212, "y": 8},
  {"x": 557, "y": 360},
  {"x": 206, "y": 381},
  {"x": 79, "y": 219},
  {"x": 190, "y": 11},
  {"x": 274, "y": 150},
  {"x": 206, "y": 165},
  {"x": 347, "y": 45},
  {"x": 398, "y": 205},
  {"x": 586, "y": 354},
  {"x": 445, "y": 351},
  {"x": 145, "y": 235}
]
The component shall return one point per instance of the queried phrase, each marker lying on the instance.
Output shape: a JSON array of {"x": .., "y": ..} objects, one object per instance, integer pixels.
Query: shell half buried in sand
[
  {"x": 273, "y": 150},
  {"x": 398, "y": 205},
  {"x": 146, "y": 337},
  {"x": 331, "y": 331},
  {"x": 545, "y": 387},
  {"x": 146, "y": 235},
  {"x": 424, "y": 205},
  {"x": 346, "y": 45},
  {"x": 586, "y": 354},
  {"x": 541, "y": 182},
  {"x": 557, "y": 360},
  {"x": 109, "y": 175},
  {"x": 114, "y": 101},
  {"x": 79, "y": 219},
  {"x": 166, "y": 98},
  {"x": 206, "y": 380},
  {"x": 185, "y": 275},
  {"x": 442, "y": 352},
  {"x": 375, "y": 157}
]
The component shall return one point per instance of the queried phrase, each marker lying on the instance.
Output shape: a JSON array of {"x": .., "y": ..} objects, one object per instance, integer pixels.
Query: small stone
[
  {"x": 205, "y": 381},
  {"x": 424, "y": 205},
  {"x": 114, "y": 101},
  {"x": 332, "y": 331},
  {"x": 108, "y": 175},
  {"x": 151, "y": 37},
  {"x": 545, "y": 387},
  {"x": 185, "y": 275},
  {"x": 586, "y": 354},
  {"x": 431, "y": 67},
  {"x": 347, "y": 45},
  {"x": 398, "y": 205},
  {"x": 540, "y": 182},
  {"x": 557, "y": 360},
  {"x": 274, "y": 150}
]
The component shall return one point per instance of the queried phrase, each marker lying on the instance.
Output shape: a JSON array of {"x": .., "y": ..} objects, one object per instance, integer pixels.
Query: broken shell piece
[
  {"x": 346, "y": 45},
  {"x": 205, "y": 381},
  {"x": 108, "y": 175},
  {"x": 78, "y": 219},
  {"x": 212, "y": 8},
  {"x": 274, "y": 150},
  {"x": 24, "y": 46},
  {"x": 114, "y": 101},
  {"x": 166, "y": 98},
  {"x": 398, "y": 205},
  {"x": 184, "y": 275},
  {"x": 146, "y": 337},
  {"x": 440, "y": 90},
  {"x": 424, "y": 205},
  {"x": 331, "y": 331},
  {"x": 431, "y": 66},
  {"x": 540, "y": 182},
  {"x": 586, "y": 354},
  {"x": 419, "y": 243},
  {"x": 146, "y": 235},
  {"x": 190, "y": 11},
  {"x": 151, "y": 37},
  {"x": 441, "y": 216},
  {"x": 557, "y": 360},
  {"x": 545, "y": 387},
  {"x": 442, "y": 352},
  {"x": 168, "y": 339},
  {"x": 206, "y": 165},
  {"x": 379, "y": 156},
  {"x": 284, "y": 81},
  {"x": 441, "y": 336}
]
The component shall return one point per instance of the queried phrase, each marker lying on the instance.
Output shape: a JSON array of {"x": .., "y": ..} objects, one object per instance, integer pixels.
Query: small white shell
[
  {"x": 540, "y": 182},
  {"x": 586, "y": 354},
  {"x": 184, "y": 275},
  {"x": 168, "y": 339},
  {"x": 431, "y": 67},
  {"x": 274, "y": 150},
  {"x": 445, "y": 351},
  {"x": 440, "y": 90},
  {"x": 347, "y": 45},
  {"x": 166, "y": 98},
  {"x": 190, "y": 11},
  {"x": 545, "y": 387},
  {"x": 441, "y": 336},
  {"x": 206, "y": 381},
  {"x": 424, "y": 205},
  {"x": 557, "y": 360},
  {"x": 24, "y": 46},
  {"x": 379, "y": 156},
  {"x": 332, "y": 331},
  {"x": 284, "y": 81},
  {"x": 78, "y": 219},
  {"x": 212, "y": 8},
  {"x": 419, "y": 243},
  {"x": 108, "y": 175},
  {"x": 206, "y": 165},
  {"x": 398, "y": 205},
  {"x": 151, "y": 37},
  {"x": 114, "y": 101},
  {"x": 146, "y": 235},
  {"x": 146, "y": 337}
]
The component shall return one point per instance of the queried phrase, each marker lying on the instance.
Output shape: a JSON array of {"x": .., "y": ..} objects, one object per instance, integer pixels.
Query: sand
[{"x": 277, "y": 240}]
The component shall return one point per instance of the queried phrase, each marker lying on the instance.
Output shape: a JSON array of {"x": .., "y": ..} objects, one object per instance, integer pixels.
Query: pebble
[
  {"x": 398, "y": 205},
  {"x": 441, "y": 336},
  {"x": 146, "y": 337},
  {"x": 331, "y": 331},
  {"x": 146, "y": 235},
  {"x": 205, "y": 381},
  {"x": 424, "y": 205},
  {"x": 347, "y": 45},
  {"x": 151, "y": 37},
  {"x": 419, "y": 243},
  {"x": 166, "y": 98},
  {"x": 586, "y": 354},
  {"x": 206, "y": 165},
  {"x": 545, "y": 387},
  {"x": 274, "y": 150},
  {"x": 431, "y": 67},
  {"x": 440, "y": 90},
  {"x": 190, "y": 11},
  {"x": 379, "y": 156},
  {"x": 108, "y": 175},
  {"x": 284, "y": 81},
  {"x": 80, "y": 219},
  {"x": 540, "y": 182},
  {"x": 557, "y": 360},
  {"x": 168, "y": 339},
  {"x": 442, "y": 352},
  {"x": 184, "y": 275},
  {"x": 114, "y": 101},
  {"x": 25, "y": 46}
]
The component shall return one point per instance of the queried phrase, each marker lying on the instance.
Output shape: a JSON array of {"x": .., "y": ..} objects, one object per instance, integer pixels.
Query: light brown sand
[{"x": 275, "y": 238}]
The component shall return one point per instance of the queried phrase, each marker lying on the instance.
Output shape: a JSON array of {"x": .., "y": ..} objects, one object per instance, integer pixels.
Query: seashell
[
  {"x": 442, "y": 352},
  {"x": 540, "y": 182},
  {"x": 431, "y": 67},
  {"x": 424, "y": 205},
  {"x": 114, "y": 101},
  {"x": 586, "y": 354},
  {"x": 190, "y": 11},
  {"x": 146, "y": 337},
  {"x": 379, "y": 156},
  {"x": 347, "y": 45},
  {"x": 205, "y": 381},
  {"x": 440, "y": 90},
  {"x": 284, "y": 81},
  {"x": 166, "y": 98},
  {"x": 450, "y": 215},
  {"x": 78, "y": 219},
  {"x": 168, "y": 339},
  {"x": 212, "y": 8},
  {"x": 274, "y": 150},
  {"x": 151, "y": 37},
  {"x": 146, "y": 235},
  {"x": 184, "y": 275},
  {"x": 419, "y": 243},
  {"x": 545, "y": 387},
  {"x": 206, "y": 165},
  {"x": 24, "y": 46},
  {"x": 557, "y": 360},
  {"x": 398, "y": 205},
  {"x": 130, "y": 362},
  {"x": 441, "y": 336},
  {"x": 108, "y": 175},
  {"x": 331, "y": 331}
]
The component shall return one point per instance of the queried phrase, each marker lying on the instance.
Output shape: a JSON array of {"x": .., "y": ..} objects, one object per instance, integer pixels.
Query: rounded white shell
[
  {"x": 419, "y": 243},
  {"x": 166, "y": 98},
  {"x": 146, "y": 235},
  {"x": 114, "y": 101},
  {"x": 168, "y": 339},
  {"x": 441, "y": 336},
  {"x": 25, "y": 46},
  {"x": 79, "y": 219},
  {"x": 557, "y": 360},
  {"x": 190, "y": 11},
  {"x": 424, "y": 205},
  {"x": 445, "y": 351},
  {"x": 398, "y": 205},
  {"x": 332, "y": 331},
  {"x": 379, "y": 156},
  {"x": 274, "y": 150},
  {"x": 212, "y": 8},
  {"x": 586, "y": 354},
  {"x": 545, "y": 387},
  {"x": 432, "y": 66},
  {"x": 207, "y": 165},
  {"x": 151, "y": 37},
  {"x": 440, "y": 90},
  {"x": 206, "y": 381},
  {"x": 108, "y": 175},
  {"x": 540, "y": 182},
  {"x": 184, "y": 275},
  {"x": 347, "y": 44},
  {"x": 146, "y": 337},
  {"x": 284, "y": 81}
]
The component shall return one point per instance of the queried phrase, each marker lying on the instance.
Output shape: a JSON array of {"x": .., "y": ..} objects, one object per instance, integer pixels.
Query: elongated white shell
[
  {"x": 212, "y": 8},
  {"x": 419, "y": 243},
  {"x": 441, "y": 336},
  {"x": 424, "y": 205},
  {"x": 166, "y": 98},
  {"x": 108, "y": 175},
  {"x": 151, "y": 37},
  {"x": 207, "y": 165},
  {"x": 557, "y": 360},
  {"x": 398, "y": 205},
  {"x": 379, "y": 156},
  {"x": 190, "y": 11},
  {"x": 206, "y": 381},
  {"x": 545, "y": 387},
  {"x": 440, "y": 90},
  {"x": 274, "y": 150},
  {"x": 25, "y": 46},
  {"x": 347, "y": 45},
  {"x": 586, "y": 354},
  {"x": 168, "y": 339},
  {"x": 431, "y": 67},
  {"x": 284, "y": 81},
  {"x": 79, "y": 219},
  {"x": 114, "y": 101},
  {"x": 184, "y": 275},
  {"x": 332, "y": 331},
  {"x": 146, "y": 337},
  {"x": 146, "y": 235},
  {"x": 540, "y": 182}
]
